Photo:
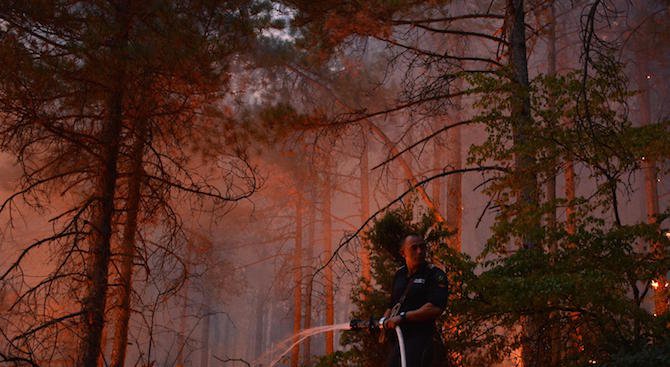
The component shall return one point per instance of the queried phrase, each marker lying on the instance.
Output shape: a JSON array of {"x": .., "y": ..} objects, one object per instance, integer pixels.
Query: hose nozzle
[{"x": 368, "y": 325}]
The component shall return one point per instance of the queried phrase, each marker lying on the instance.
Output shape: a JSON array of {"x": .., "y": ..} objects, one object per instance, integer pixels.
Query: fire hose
[{"x": 371, "y": 325}]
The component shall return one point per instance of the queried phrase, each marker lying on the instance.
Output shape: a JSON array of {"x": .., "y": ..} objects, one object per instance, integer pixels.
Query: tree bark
[
  {"x": 99, "y": 250},
  {"x": 651, "y": 183},
  {"x": 127, "y": 250},
  {"x": 525, "y": 178},
  {"x": 556, "y": 349},
  {"x": 570, "y": 196},
  {"x": 311, "y": 231},
  {"x": 438, "y": 166},
  {"x": 365, "y": 209},
  {"x": 328, "y": 250},
  {"x": 204, "y": 338},
  {"x": 182, "y": 339},
  {"x": 551, "y": 71},
  {"x": 257, "y": 341},
  {"x": 454, "y": 189},
  {"x": 297, "y": 277},
  {"x": 99, "y": 255}
]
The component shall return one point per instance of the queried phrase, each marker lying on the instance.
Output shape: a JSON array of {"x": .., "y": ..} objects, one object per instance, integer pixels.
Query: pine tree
[{"x": 71, "y": 91}]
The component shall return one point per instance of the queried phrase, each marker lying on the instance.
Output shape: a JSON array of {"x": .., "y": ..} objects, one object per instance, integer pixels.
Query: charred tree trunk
[
  {"x": 297, "y": 277},
  {"x": 99, "y": 250},
  {"x": 525, "y": 178},
  {"x": 99, "y": 253},
  {"x": 127, "y": 250}
]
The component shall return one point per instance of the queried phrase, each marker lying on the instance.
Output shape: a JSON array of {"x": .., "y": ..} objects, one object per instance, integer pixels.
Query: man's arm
[{"x": 427, "y": 312}]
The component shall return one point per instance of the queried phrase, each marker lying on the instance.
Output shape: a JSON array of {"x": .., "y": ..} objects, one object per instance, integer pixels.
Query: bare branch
[
  {"x": 447, "y": 19},
  {"x": 422, "y": 140},
  {"x": 351, "y": 237}
]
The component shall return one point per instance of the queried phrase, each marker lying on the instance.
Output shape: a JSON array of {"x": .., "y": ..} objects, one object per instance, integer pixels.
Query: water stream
[{"x": 287, "y": 344}]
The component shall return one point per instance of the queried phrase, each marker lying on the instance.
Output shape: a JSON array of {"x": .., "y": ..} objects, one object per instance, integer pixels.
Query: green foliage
[
  {"x": 329, "y": 360},
  {"x": 593, "y": 282},
  {"x": 383, "y": 241},
  {"x": 592, "y": 290},
  {"x": 585, "y": 122},
  {"x": 651, "y": 356},
  {"x": 591, "y": 287},
  {"x": 587, "y": 284}
]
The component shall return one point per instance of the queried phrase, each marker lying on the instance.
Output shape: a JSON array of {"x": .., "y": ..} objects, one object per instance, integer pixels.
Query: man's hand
[
  {"x": 392, "y": 322},
  {"x": 427, "y": 312}
]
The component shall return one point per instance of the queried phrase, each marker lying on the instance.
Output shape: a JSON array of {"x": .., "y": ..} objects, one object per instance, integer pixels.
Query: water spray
[{"x": 285, "y": 346}]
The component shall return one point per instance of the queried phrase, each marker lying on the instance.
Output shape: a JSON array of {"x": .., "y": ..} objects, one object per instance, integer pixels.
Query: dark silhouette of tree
[{"x": 72, "y": 100}]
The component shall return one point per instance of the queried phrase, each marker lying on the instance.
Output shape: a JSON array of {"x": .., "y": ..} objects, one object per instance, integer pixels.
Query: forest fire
[
  {"x": 243, "y": 183},
  {"x": 655, "y": 284}
]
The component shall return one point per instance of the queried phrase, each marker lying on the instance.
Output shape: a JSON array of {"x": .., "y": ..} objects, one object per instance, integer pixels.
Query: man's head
[{"x": 413, "y": 250}]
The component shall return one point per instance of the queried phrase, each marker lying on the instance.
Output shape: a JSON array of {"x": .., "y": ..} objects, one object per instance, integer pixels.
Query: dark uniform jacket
[{"x": 428, "y": 284}]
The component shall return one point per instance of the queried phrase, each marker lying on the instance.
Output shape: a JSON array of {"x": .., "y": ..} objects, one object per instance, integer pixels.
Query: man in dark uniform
[{"x": 419, "y": 295}]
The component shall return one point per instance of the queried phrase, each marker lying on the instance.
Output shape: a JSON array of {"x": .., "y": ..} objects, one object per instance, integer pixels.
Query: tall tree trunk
[
  {"x": 328, "y": 251},
  {"x": 365, "y": 209},
  {"x": 311, "y": 232},
  {"x": 454, "y": 189},
  {"x": 97, "y": 267},
  {"x": 551, "y": 71},
  {"x": 438, "y": 166},
  {"x": 99, "y": 248},
  {"x": 204, "y": 336},
  {"x": 651, "y": 182},
  {"x": 555, "y": 350},
  {"x": 454, "y": 212},
  {"x": 570, "y": 196},
  {"x": 257, "y": 341},
  {"x": 297, "y": 277},
  {"x": 103, "y": 344},
  {"x": 525, "y": 178},
  {"x": 269, "y": 320},
  {"x": 182, "y": 339},
  {"x": 127, "y": 250}
]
